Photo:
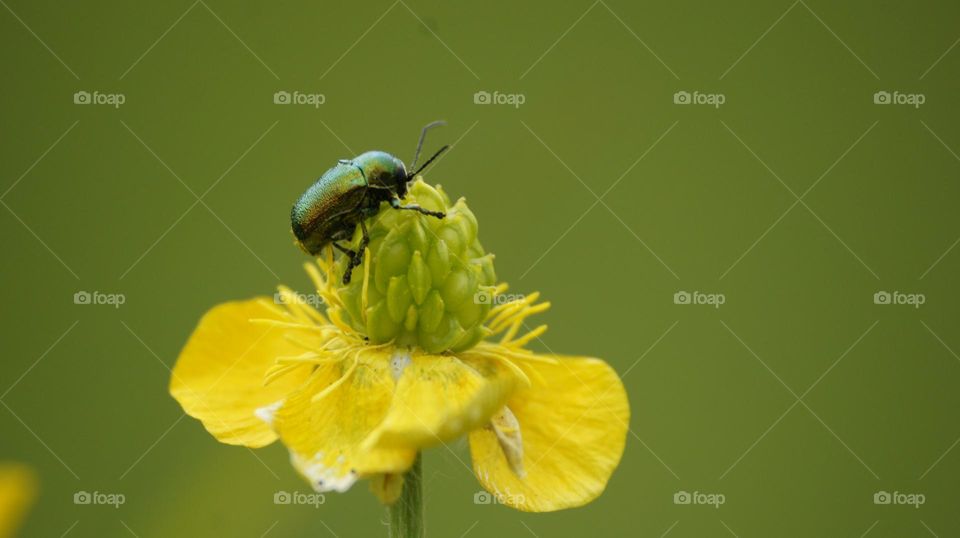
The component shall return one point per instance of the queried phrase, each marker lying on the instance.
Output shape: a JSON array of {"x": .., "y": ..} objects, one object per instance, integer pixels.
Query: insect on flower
[
  {"x": 421, "y": 348},
  {"x": 349, "y": 193}
]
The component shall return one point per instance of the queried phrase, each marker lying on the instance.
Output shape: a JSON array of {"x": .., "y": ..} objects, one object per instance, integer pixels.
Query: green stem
[{"x": 406, "y": 515}]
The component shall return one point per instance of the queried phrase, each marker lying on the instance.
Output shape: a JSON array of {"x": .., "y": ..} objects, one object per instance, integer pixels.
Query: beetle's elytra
[{"x": 350, "y": 192}]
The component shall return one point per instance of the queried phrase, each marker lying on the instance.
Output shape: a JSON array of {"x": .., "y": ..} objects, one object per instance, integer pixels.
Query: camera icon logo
[
  {"x": 482, "y": 497},
  {"x": 682, "y": 497},
  {"x": 482, "y": 98},
  {"x": 282, "y": 497},
  {"x": 82, "y": 497},
  {"x": 81, "y": 297},
  {"x": 482, "y": 297},
  {"x": 882, "y": 497},
  {"x": 281, "y": 98},
  {"x": 681, "y": 297},
  {"x": 681, "y": 98},
  {"x": 881, "y": 297},
  {"x": 81, "y": 98},
  {"x": 881, "y": 98}
]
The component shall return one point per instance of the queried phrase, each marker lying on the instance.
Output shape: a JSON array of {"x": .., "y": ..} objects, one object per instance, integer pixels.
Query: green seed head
[{"x": 424, "y": 281}]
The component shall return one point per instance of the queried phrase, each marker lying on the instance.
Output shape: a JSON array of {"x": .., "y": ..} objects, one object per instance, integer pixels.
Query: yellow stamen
[
  {"x": 506, "y": 310},
  {"x": 516, "y": 354},
  {"x": 366, "y": 285},
  {"x": 299, "y": 343},
  {"x": 290, "y": 324},
  {"x": 337, "y": 320},
  {"x": 512, "y": 332},
  {"x": 285, "y": 365},
  {"x": 514, "y": 368},
  {"x": 292, "y": 303},
  {"x": 501, "y": 310},
  {"x": 519, "y": 315},
  {"x": 314, "y": 274},
  {"x": 277, "y": 371},
  {"x": 525, "y": 339},
  {"x": 346, "y": 375}
]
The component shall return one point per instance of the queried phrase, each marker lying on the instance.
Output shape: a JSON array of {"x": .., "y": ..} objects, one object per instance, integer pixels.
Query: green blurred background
[{"x": 798, "y": 399}]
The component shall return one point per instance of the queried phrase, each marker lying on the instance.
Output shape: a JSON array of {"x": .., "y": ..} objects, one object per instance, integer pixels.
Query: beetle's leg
[
  {"x": 353, "y": 260},
  {"x": 396, "y": 204},
  {"x": 350, "y": 254},
  {"x": 356, "y": 257},
  {"x": 364, "y": 241}
]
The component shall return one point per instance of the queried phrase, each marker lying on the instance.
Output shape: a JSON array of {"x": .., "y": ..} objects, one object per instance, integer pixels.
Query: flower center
[{"x": 426, "y": 282}]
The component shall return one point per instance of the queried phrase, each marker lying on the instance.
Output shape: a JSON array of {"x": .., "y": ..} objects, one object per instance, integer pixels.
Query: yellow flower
[
  {"x": 18, "y": 489},
  {"x": 545, "y": 432}
]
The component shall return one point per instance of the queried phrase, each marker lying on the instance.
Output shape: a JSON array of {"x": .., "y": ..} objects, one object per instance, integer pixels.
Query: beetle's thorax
[{"x": 383, "y": 170}]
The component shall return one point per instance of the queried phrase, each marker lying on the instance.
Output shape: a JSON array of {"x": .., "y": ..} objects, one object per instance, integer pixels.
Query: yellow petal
[
  {"x": 573, "y": 422},
  {"x": 441, "y": 397},
  {"x": 324, "y": 423},
  {"x": 219, "y": 376},
  {"x": 18, "y": 488}
]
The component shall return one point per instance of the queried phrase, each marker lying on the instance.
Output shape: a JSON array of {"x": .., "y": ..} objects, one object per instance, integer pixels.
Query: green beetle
[{"x": 349, "y": 193}]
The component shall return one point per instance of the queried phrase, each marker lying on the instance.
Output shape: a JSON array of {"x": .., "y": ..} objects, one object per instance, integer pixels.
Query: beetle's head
[
  {"x": 399, "y": 177},
  {"x": 403, "y": 183}
]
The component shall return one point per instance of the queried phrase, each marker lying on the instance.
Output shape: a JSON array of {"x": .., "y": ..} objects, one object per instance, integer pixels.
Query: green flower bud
[{"x": 424, "y": 277}]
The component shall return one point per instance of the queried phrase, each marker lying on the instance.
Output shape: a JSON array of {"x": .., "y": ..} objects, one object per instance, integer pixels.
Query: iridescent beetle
[{"x": 349, "y": 193}]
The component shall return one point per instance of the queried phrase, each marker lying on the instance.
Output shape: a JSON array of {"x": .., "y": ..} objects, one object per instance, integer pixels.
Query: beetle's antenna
[
  {"x": 430, "y": 160},
  {"x": 423, "y": 135}
]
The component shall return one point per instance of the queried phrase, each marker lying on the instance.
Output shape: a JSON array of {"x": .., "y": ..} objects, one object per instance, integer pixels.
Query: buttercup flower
[
  {"x": 18, "y": 489},
  {"x": 419, "y": 349}
]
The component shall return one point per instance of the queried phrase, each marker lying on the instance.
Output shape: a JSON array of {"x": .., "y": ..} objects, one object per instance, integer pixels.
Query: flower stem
[{"x": 406, "y": 515}]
